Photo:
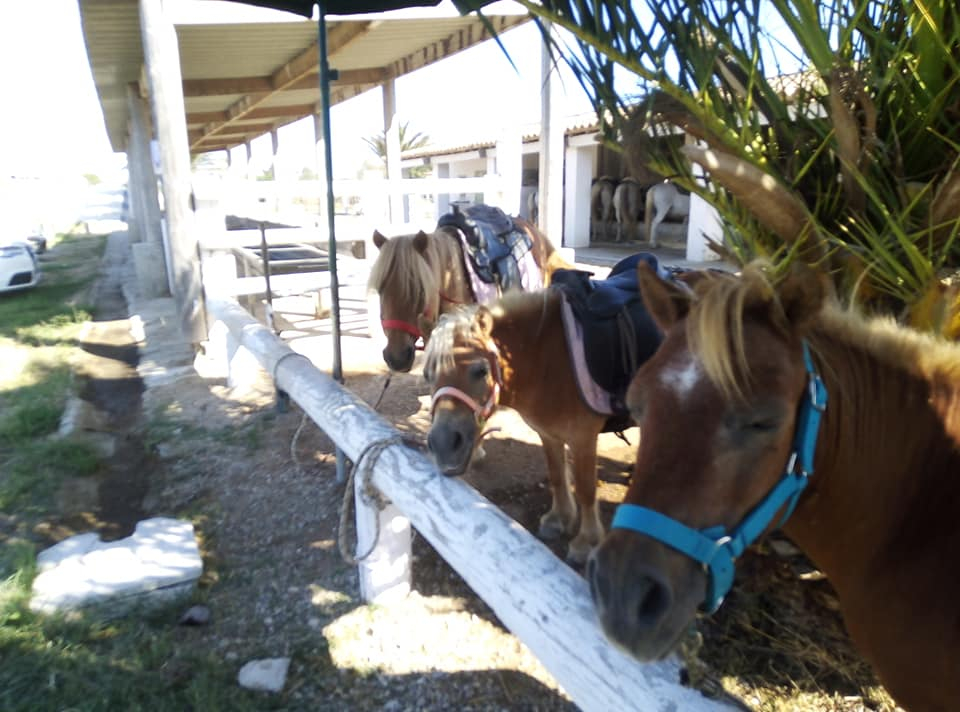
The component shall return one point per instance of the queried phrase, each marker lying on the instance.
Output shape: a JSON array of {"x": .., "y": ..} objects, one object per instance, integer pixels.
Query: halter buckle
[{"x": 717, "y": 546}]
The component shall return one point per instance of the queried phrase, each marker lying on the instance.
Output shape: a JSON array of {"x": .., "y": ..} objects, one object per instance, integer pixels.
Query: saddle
[
  {"x": 494, "y": 245},
  {"x": 609, "y": 333}
]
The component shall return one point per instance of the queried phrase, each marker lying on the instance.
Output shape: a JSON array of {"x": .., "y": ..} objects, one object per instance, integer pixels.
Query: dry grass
[{"x": 779, "y": 643}]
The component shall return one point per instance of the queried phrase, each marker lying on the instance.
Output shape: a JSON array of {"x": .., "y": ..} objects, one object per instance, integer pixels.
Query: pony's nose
[
  {"x": 399, "y": 359},
  {"x": 446, "y": 445},
  {"x": 651, "y": 599},
  {"x": 641, "y": 604}
]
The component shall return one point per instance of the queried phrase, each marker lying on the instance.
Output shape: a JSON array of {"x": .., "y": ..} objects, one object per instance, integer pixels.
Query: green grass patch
[
  {"x": 34, "y": 472},
  {"x": 42, "y": 314},
  {"x": 80, "y": 664}
]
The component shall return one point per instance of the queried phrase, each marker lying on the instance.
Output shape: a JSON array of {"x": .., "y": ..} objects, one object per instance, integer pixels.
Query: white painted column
[
  {"x": 391, "y": 129},
  {"x": 551, "y": 151},
  {"x": 578, "y": 172},
  {"x": 443, "y": 199},
  {"x": 510, "y": 169},
  {"x": 148, "y": 220},
  {"x": 703, "y": 222},
  {"x": 162, "y": 57}
]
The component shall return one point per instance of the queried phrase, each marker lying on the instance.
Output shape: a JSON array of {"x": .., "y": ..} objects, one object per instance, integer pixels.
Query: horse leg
[
  {"x": 585, "y": 484},
  {"x": 657, "y": 219},
  {"x": 562, "y": 517}
]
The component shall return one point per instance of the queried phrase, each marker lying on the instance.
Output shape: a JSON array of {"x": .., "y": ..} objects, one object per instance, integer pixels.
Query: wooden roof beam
[
  {"x": 193, "y": 88},
  {"x": 298, "y": 69}
]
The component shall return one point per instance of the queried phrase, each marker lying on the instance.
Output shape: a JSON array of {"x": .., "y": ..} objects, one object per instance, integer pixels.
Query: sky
[{"x": 53, "y": 124}]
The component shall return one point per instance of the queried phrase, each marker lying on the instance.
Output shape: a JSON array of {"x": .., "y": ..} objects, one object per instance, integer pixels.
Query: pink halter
[{"x": 484, "y": 411}]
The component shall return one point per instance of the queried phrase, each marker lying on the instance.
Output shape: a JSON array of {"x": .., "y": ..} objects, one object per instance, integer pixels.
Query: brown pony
[
  {"x": 419, "y": 277},
  {"x": 729, "y": 409},
  {"x": 514, "y": 354}
]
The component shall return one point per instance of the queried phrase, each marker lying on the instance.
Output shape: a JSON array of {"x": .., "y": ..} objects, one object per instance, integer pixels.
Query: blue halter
[{"x": 714, "y": 547}]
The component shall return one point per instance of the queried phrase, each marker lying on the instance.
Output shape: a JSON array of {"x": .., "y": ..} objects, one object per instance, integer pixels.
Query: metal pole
[
  {"x": 332, "y": 242},
  {"x": 265, "y": 258}
]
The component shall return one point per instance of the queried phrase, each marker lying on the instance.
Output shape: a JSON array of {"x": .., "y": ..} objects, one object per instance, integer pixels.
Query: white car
[{"x": 18, "y": 266}]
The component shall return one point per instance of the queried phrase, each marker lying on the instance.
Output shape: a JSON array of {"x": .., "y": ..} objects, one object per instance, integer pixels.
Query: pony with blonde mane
[
  {"x": 842, "y": 430},
  {"x": 514, "y": 354},
  {"x": 419, "y": 277}
]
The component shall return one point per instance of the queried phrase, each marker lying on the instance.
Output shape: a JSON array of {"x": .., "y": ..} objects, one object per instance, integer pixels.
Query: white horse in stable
[
  {"x": 663, "y": 200},
  {"x": 628, "y": 206},
  {"x": 601, "y": 206}
]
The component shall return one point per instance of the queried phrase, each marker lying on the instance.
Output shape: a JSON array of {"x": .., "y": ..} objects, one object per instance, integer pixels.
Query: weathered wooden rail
[{"x": 538, "y": 597}]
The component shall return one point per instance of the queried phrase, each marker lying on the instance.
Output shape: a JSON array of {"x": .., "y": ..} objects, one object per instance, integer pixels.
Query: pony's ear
[
  {"x": 379, "y": 240},
  {"x": 801, "y": 294},
  {"x": 420, "y": 242},
  {"x": 484, "y": 321},
  {"x": 666, "y": 302}
]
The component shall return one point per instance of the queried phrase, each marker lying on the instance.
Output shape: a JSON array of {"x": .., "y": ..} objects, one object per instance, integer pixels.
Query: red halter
[{"x": 412, "y": 329}]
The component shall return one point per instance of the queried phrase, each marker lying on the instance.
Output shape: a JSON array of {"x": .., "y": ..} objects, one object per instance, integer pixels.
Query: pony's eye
[{"x": 479, "y": 371}]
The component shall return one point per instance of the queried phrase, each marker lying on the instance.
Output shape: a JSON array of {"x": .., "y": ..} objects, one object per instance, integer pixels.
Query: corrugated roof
[
  {"x": 574, "y": 125},
  {"x": 243, "y": 78}
]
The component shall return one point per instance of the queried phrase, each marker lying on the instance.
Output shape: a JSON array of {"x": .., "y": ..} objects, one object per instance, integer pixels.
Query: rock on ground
[{"x": 268, "y": 675}]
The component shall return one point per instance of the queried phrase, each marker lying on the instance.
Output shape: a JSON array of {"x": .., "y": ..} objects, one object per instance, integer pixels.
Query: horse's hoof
[
  {"x": 577, "y": 554},
  {"x": 549, "y": 531}
]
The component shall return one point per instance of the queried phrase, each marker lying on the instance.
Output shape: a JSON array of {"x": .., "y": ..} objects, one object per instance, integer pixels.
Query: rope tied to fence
[{"x": 370, "y": 495}]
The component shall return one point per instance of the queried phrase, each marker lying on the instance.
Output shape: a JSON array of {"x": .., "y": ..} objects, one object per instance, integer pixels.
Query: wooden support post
[
  {"x": 391, "y": 128},
  {"x": 166, "y": 94},
  {"x": 143, "y": 180},
  {"x": 510, "y": 168},
  {"x": 551, "y": 151}
]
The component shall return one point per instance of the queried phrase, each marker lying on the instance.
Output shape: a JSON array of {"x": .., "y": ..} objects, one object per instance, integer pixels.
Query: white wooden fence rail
[{"x": 538, "y": 597}]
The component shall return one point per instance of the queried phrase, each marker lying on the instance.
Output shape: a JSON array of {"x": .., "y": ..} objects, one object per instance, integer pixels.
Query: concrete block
[{"x": 158, "y": 564}]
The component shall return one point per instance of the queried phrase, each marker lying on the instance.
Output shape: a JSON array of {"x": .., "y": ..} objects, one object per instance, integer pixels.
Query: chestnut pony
[
  {"x": 767, "y": 406},
  {"x": 419, "y": 277},
  {"x": 514, "y": 354}
]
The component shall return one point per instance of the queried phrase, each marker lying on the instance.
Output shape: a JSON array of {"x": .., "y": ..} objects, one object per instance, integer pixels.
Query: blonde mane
[
  {"x": 715, "y": 332},
  {"x": 459, "y": 325},
  {"x": 454, "y": 326}
]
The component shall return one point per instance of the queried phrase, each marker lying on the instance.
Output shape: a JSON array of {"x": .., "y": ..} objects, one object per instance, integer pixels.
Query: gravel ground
[{"x": 277, "y": 586}]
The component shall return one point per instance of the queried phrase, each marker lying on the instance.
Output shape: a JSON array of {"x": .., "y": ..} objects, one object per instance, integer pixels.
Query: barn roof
[{"x": 247, "y": 70}]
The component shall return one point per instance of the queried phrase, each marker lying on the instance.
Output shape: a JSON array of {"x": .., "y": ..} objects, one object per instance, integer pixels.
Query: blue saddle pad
[
  {"x": 496, "y": 245},
  {"x": 618, "y": 333}
]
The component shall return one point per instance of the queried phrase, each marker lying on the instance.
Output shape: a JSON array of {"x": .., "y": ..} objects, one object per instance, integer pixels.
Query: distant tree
[
  {"x": 408, "y": 142},
  {"x": 308, "y": 174},
  {"x": 92, "y": 178},
  {"x": 266, "y": 175}
]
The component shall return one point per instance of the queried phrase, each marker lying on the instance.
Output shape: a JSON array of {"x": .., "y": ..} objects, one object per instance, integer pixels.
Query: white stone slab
[
  {"x": 269, "y": 675},
  {"x": 159, "y": 563}
]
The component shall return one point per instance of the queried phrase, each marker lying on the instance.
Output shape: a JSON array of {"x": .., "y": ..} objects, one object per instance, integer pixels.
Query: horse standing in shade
[
  {"x": 844, "y": 431},
  {"x": 601, "y": 206},
  {"x": 516, "y": 354},
  {"x": 663, "y": 200},
  {"x": 628, "y": 206},
  {"x": 419, "y": 277}
]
